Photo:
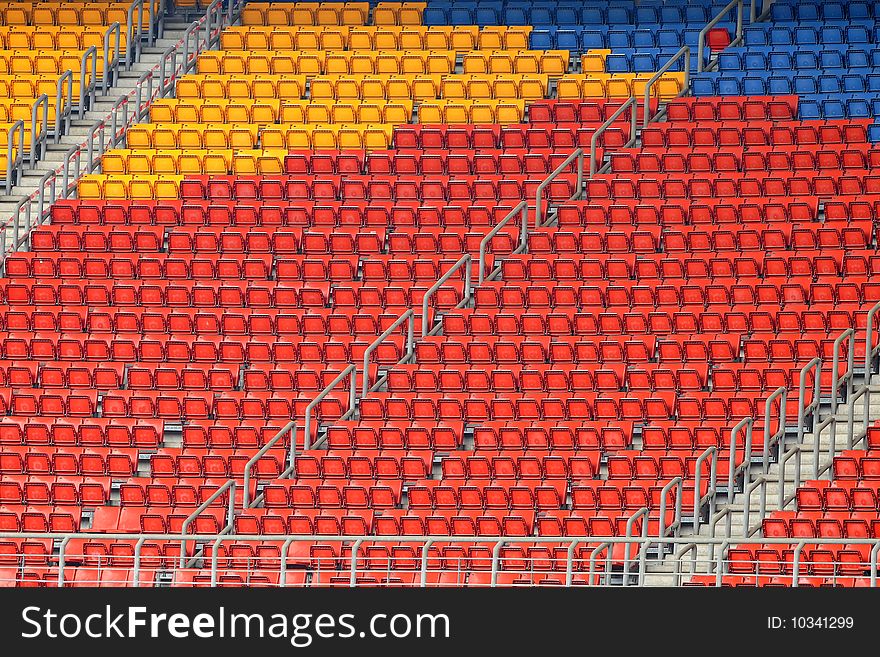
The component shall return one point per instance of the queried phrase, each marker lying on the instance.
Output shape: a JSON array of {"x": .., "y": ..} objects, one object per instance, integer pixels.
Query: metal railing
[
  {"x": 350, "y": 373},
  {"x": 631, "y": 104},
  {"x": 39, "y": 128},
  {"x": 701, "y": 39},
  {"x": 409, "y": 318},
  {"x": 93, "y": 147},
  {"x": 576, "y": 156},
  {"x": 766, "y": 7},
  {"x": 522, "y": 209},
  {"x": 465, "y": 261},
  {"x": 624, "y": 563},
  {"x": 685, "y": 52}
]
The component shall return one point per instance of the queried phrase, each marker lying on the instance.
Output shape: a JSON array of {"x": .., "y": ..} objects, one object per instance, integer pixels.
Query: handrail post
[
  {"x": 214, "y": 558},
  {"x": 62, "y": 556},
  {"x": 408, "y": 317},
  {"x": 796, "y": 564},
  {"x": 61, "y": 107},
  {"x": 348, "y": 372},
  {"x": 780, "y": 392},
  {"x": 684, "y": 51},
  {"x": 593, "y": 554},
  {"x": 523, "y": 210},
  {"x": 569, "y": 561},
  {"x": 846, "y": 379},
  {"x": 578, "y": 155},
  {"x": 746, "y": 423},
  {"x": 423, "y": 565},
  {"x": 249, "y": 466},
  {"x": 701, "y": 40},
  {"x": 677, "y": 483},
  {"x": 641, "y": 513},
  {"x": 466, "y": 262},
  {"x": 136, "y": 566},
  {"x": 631, "y": 103},
  {"x": 874, "y": 550},
  {"x": 352, "y": 582},
  {"x": 87, "y": 88},
  {"x": 14, "y": 158},
  {"x": 204, "y": 505},
  {"x": 814, "y": 365},
  {"x": 39, "y": 128},
  {"x": 698, "y": 467},
  {"x": 111, "y": 61},
  {"x": 496, "y": 559}
]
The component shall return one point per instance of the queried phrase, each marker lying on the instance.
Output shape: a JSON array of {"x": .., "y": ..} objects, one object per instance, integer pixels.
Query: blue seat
[
  {"x": 730, "y": 86},
  {"x": 809, "y": 109},
  {"x": 647, "y": 16},
  {"x": 806, "y": 61},
  {"x": 874, "y": 132},
  {"x": 593, "y": 39},
  {"x": 853, "y": 84},
  {"x": 805, "y": 36},
  {"x": 833, "y": 11},
  {"x": 805, "y": 85},
  {"x": 858, "y": 108},
  {"x": 831, "y": 34},
  {"x": 434, "y": 16},
  {"x": 516, "y": 16},
  {"x": 782, "y": 13},
  {"x": 670, "y": 15},
  {"x": 779, "y": 61},
  {"x": 592, "y": 16},
  {"x": 619, "y": 39},
  {"x": 461, "y": 16},
  {"x": 667, "y": 38},
  {"x": 753, "y": 86},
  {"x": 696, "y": 14},
  {"x": 833, "y": 108},
  {"x": 872, "y": 82},
  {"x": 647, "y": 63},
  {"x": 875, "y": 58},
  {"x": 543, "y": 40},
  {"x": 831, "y": 59},
  {"x": 781, "y": 36},
  {"x": 703, "y": 85},
  {"x": 566, "y": 16},
  {"x": 568, "y": 40},
  {"x": 541, "y": 16},
  {"x": 860, "y": 11},
  {"x": 619, "y": 16},
  {"x": 875, "y": 107},
  {"x": 617, "y": 63},
  {"x": 643, "y": 39},
  {"x": 755, "y": 36},
  {"x": 857, "y": 34},
  {"x": 487, "y": 16},
  {"x": 808, "y": 12},
  {"x": 779, "y": 85},
  {"x": 730, "y": 61},
  {"x": 828, "y": 84}
]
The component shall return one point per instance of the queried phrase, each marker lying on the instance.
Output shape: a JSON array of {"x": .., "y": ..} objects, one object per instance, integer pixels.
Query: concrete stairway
[{"x": 126, "y": 81}]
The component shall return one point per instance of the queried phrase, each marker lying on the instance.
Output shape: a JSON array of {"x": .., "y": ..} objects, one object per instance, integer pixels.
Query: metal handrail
[
  {"x": 632, "y": 103},
  {"x": 245, "y": 503},
  {"x": 348, "y": 372},
  {"x": 523, "y": 210},
  {"x": 684, "y": 51},
  {"x": 62, "y": 106},
  {"x": 769, "y": 439},
  {"x": 766, "y": 7},
  {"x": 746, "y": 424},
  {"x": 111, "y": 62},
  {"x": 409, "y": 317},
  {"x": 96, "y": 133},
  {"x": 134, "y": 35},
  {"x": 87, "y": 84},
  {"x": 577, "y": 155},
  {"x": 701, "y": 40},
  {"x": 643, "y": 514},
  {"x": 14, "y": 156},
  {"x": 39, "y": 128},
  {"x": 230, "y": 515},
  {"x": 712, "y": 452},
  {"x": 466, "y": 262},
  {"x": 783, "y": 461}
]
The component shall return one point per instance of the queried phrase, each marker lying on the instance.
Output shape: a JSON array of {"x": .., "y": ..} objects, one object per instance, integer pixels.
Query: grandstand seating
[{"x": 314, "y": 179}]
